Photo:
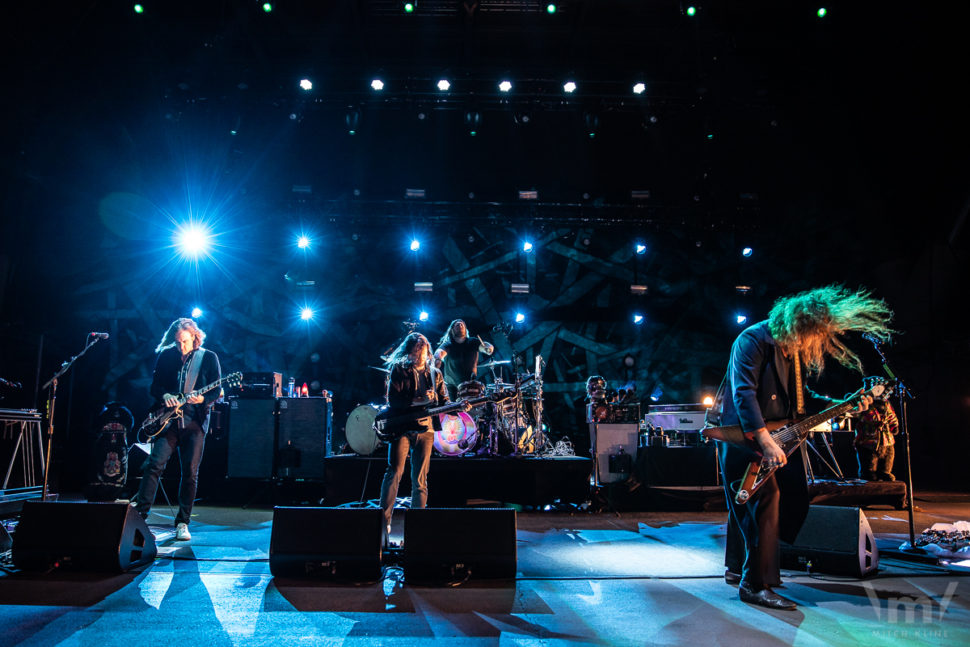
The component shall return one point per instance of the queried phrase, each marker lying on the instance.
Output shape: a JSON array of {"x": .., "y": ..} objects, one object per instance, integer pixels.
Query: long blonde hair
[
  {"x": 184, "y": 323},
  {"x": 813, "y": 322}
]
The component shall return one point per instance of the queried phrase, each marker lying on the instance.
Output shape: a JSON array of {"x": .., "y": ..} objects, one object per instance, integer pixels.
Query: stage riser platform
[{"x": 454, "y": 481}]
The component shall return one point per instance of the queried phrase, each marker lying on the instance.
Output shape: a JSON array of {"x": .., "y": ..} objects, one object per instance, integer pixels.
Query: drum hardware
[
  {"x": 380, "y": 368},
  {"x": 495, "y": 362}
]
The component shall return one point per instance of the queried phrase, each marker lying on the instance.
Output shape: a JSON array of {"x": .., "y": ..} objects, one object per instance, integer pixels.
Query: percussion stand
[{"x": 52, "y": 400}]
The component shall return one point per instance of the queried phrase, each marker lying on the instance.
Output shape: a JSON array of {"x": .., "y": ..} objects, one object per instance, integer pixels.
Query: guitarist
[
  {"x": 764, "y": 381},
  {"x": 413, "y": 384},
  {"x": 181, "y": 366}
]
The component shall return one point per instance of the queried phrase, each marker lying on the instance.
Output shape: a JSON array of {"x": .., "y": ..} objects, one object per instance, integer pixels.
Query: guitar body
[{"x": 390, "y": 426}]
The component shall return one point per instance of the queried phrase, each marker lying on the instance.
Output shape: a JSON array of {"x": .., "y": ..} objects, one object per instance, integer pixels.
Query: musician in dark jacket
[
  {"x": 182, "y": 366},
  {"x": 765, "y": 382},
  {"x": 413, "y": 385}
]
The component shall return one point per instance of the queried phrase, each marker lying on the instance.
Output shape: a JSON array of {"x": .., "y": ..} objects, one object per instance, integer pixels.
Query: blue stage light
[
  {"x": 415, "y": 244},
  {"x": 196, "y": 313},
  {"x": 377, "y": 84},
  {"x": 527, "y": 246},
  {"x": 306, "y": 84},
  {"x": 656, "y": 394},
  {"x": 569, "y": 87},
  {"x": 444, "y": 85},
  {"x": 423, "y": 316},
  {"x": 306, "y": 314},
  {"x": 641, "y": 248},
  {"x": 505, "y": 86},
  {"x": 638, "y": 319},
  {"x": 746, "y": 252},
  {"x": 193, "y": 240},
  {"x": 519, "y": 317},
  {"x": 741, "y": 319},
  {"x": 303, "y": 242}
]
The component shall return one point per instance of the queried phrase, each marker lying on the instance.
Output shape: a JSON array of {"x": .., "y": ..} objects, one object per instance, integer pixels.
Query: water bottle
[{"x": 291, "y": 392}]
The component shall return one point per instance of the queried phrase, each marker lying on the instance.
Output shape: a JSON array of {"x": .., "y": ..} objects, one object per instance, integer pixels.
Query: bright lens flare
[
  {"x": 193, "y": 241},
  {"x": 303, "y": 242},
  {"x": 306, "y": 314}
]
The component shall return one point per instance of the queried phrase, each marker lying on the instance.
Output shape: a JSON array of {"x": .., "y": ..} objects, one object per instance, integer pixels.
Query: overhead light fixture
[
  {"x": 377, "y": 84},
  {"x": 444, "y": 85},
  {"x": 306, "y": 84},
  {"x": 638, "y": 289},
  {"x": 505, "y": 86},
  {"x": 742, "y": 289},
  {"x": 423, "y": 286},
  {"x": 531, "y": 194},
  {"x": 417, "y": 194},
  {"x": 520, "y": 288},
  {"x": 639, "y": 88},
  {"x": 569, "y": 87}
]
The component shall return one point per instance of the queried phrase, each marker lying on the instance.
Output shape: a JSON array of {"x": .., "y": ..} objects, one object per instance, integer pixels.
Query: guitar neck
[{"x": 800, "y": 429}]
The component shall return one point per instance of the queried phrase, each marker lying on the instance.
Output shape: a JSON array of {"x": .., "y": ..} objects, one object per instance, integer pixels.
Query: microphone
[{"x": 98, "y": 335}]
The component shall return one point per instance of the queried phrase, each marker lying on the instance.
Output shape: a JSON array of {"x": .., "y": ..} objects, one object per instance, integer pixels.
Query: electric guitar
[
  {"x": 157, "y": 421},
  {"x": 390, "y": 427},
  {"x": 788, "y": 435}
]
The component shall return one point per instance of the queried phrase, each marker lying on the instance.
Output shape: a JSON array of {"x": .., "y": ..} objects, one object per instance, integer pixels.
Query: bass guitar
[
  {"x": 157, "y": 421},
  {"x": 788, "y": 435},
  {"x": 390, "y": 427}
]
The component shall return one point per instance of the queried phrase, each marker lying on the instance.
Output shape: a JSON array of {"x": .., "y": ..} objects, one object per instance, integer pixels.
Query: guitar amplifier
[{"x": 259, "y": 386}]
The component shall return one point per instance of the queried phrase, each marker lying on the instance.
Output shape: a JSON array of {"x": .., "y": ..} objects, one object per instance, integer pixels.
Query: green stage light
[
  {"x": 139, "y": 9},
  {"x": 551, "y": 8},
  {"x": 692, "y": 11},
  {"x": 409, "y": 7},
  {"x": 822, "y": 11},
  {"x": 267, "y": 7}
]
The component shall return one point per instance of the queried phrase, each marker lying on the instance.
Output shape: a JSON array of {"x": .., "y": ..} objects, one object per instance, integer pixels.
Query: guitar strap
[
  {"x": 192, "y": 370},
  {"x": 799, "y": 387}
]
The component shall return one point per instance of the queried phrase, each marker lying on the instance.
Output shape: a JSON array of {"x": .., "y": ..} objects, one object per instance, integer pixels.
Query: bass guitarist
[
  {"x": 413, "y": 385},
  {"x": 764, "y": 382},
  {"x": 182, "y": 365}
]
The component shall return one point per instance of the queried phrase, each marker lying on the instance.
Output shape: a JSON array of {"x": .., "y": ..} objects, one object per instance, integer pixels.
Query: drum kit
[{"x": 507, "y": 423}]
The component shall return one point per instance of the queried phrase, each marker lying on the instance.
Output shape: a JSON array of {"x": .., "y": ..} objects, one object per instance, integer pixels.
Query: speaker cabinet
[
  {"x": 449, "y": 544},
  {"x": 607, "y": 440},
  {"x": 834, "y": 540},
  {"x": 326, "y": 543},
  {"x": 252, "y": 438},
  {"x": 83, "y": 536},
  {"x": 304, "y": 437}
]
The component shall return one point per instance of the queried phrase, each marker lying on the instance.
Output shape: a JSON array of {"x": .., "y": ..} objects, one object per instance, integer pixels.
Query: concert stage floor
[{"x": 597, "y": 579}]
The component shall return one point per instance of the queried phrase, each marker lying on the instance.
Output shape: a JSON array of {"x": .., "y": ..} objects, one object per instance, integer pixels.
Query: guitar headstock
[
  {"x": 877, "y": 386},
  {"x": 233, "y": 379}
]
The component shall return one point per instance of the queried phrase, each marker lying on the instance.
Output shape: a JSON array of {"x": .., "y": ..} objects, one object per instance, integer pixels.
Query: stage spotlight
[
  {"x": 708, "y": 401},
  {"x": 505, "y": 86},
  {"x": 551, "y": 8},
  {"x": 639, "y": 88},
  {"x": 527, "y": 246},
  {"x": 415, "y": 244},
  {"x": 657, "y": 393},
  {"x": 746, "y": 252},
  {"x": 423, "y": 316},
  {"x": 196, "y": 313},
  {"x": 641, "y": 248},
  {"x": 519, "y": 317},
  {"x": 193, "y": 240},
  {"x": 268, "y": 7},
  {"x": 741, "y": 319},
  {"x": 377, "y": 84},
  {"x": 592, "y": 122},
  {"x": 569, "y": 87},
  {"x": 139, "y": 9},
  {"x": 352, "y": 119},
  {"x": 638, "y": 319},
  {"x": 444, "y": 85},
  {"x": 303, "y": 242},
  {"x": 409, "y": 7},
  {"x": 691, "y": 11},
  {"x": 822, "y": 12},
  {"x": 306, "y": 314},
  {"x": 473, "y": 121}
]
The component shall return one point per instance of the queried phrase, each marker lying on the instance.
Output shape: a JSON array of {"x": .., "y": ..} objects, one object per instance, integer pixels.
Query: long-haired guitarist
[
  {"x": 413, "y": 384},
  {"x": 182, "y": 365},
  {"x": 764, "y": 382}
]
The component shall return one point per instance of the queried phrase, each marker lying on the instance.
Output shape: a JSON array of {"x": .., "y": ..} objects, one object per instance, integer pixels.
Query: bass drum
[
  {"x": 361, "y": 435},
  {"x": 458, "y": 434}
]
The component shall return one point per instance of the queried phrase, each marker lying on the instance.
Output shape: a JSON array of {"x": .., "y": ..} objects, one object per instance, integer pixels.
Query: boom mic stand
[
  {"x": 52, "y": 399},
  {"x": 905, "y": 394}
]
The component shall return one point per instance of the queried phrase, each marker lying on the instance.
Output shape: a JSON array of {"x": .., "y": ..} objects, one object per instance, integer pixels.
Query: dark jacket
[
  {"x": 167, "y": 378},
  {"x": 402, "y": 384}
]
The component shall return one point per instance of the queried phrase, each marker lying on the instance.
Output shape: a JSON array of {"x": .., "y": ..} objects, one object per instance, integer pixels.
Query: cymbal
[
  {"x": 495, "y": 363},
  {"x": 380, "y": 368}
]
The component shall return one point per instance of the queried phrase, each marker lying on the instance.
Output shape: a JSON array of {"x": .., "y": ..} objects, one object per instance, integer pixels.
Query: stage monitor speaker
[
  {"x": 452, "y": 544},
  {"x": 304, "y": 437},
  {"x": 252, "y": 438},
  {"x": 326, "y": 543},
  {"x": 81, "y": 536},
  {"x": 607, "y": 440},
  {"x": 833, "y": 540}
]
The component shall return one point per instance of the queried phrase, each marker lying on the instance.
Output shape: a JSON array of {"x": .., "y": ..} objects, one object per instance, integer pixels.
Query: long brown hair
[
  {"x": 813, "y": 322},
  {"x": 184, "y": 323}
]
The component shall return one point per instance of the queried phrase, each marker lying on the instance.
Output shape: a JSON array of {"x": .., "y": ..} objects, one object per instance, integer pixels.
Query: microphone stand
[
  {"x": 52, "y": 399},
  {"x": 905, "y": 394}
]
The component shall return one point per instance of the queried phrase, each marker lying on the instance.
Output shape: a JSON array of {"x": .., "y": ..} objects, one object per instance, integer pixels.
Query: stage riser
[{"x": 453, "y": 481}]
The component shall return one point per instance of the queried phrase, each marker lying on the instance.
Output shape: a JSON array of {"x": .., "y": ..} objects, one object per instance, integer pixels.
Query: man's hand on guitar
[
  {"x": 773, "y": 455},
  {"x": 864, "y": 403},
  {"x": 195, "y": 399},
  {"x": 171, "y": 400}
]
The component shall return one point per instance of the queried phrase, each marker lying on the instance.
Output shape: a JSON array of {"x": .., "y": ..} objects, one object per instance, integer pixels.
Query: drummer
[{"x": 457, "y": 356}]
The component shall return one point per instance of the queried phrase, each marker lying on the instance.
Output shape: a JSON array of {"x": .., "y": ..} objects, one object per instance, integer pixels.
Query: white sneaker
[{"x": 182, "y": 532}]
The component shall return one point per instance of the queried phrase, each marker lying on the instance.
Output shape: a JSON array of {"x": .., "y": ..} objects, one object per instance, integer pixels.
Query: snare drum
[
  {"x": 470, "y": 389},
  {"x": 458, "y": 434},
  {"x": 361, "y": 435}
]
